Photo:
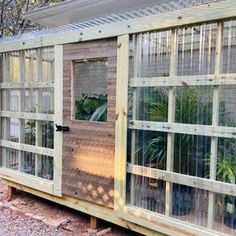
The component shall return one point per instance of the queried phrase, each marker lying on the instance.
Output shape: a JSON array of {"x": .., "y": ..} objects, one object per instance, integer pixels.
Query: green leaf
[{"x": 98, "y": 113}]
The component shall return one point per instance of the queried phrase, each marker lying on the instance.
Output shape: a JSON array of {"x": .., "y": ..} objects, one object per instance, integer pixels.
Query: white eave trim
[{"x": 80, "y": 10}]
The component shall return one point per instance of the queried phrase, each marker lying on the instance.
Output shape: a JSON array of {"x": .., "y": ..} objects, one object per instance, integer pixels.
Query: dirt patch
[{"x": 29, "y": 215}]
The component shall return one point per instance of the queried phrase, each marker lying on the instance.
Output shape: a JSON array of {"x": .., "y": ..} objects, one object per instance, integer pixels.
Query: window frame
[{"x": 73, "y": 88}]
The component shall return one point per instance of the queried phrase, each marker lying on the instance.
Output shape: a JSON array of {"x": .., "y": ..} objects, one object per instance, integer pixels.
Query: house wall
[{"x": 89, "y": 147}]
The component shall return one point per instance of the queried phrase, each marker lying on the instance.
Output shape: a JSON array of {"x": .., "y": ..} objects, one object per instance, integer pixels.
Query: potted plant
[{"x": 226, "y": 172}]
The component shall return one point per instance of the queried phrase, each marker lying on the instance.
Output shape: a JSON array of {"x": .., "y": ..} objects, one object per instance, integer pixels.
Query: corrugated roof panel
[{"x": 156, "y": 9}]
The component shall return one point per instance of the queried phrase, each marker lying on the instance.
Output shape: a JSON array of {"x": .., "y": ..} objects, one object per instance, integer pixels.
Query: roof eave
[{"x": 80, "y": 10}]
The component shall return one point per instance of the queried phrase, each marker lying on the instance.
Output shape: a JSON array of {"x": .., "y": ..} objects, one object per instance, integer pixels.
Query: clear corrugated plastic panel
[
  {"x": 151, "y": 108},
  {"x": 27, "y": 78}
]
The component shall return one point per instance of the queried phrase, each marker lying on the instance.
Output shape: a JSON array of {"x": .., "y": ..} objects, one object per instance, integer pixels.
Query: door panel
[{"x": 89, "y": 146}]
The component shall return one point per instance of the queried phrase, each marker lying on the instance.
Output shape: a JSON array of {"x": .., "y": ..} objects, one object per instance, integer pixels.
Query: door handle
[{"x": 62, "y": 128}]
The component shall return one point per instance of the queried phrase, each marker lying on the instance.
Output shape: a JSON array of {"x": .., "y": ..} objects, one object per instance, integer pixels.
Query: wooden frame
[
  {"x": 204, "y": 130},
  {"x": 164, "y": 224},
  {"x": 171, "y": 118},
  {"x": 215, "y": 121},
  {"x": 198, "y": 14},
  {"x": 199, "y": 80},
  {"x": 196, "y": 182},
  {"x": 214, "y": 131},
  {"x": 27, "y": 180},
  {"x": 73, "y": 85},
  {"x": 124, "y": 214},
  {"x": 52, "y": 187},
  {"x": 121, "y": 122},
  {"x": 58, "y": 106}
]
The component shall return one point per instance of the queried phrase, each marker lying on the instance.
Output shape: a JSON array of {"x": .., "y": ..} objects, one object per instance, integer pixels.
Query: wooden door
[{"x": 89, "y": 146}]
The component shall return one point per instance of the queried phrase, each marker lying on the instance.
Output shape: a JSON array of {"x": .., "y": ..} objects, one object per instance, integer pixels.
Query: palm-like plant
[{"x": 193, "y": 106}]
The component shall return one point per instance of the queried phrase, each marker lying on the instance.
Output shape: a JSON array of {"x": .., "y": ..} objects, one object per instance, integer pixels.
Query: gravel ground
[
  {"x": 28, "y": 215},
  {"x": 17, "y": 225}
]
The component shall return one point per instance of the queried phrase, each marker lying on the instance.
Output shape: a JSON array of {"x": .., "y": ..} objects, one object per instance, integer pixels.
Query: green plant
[
  {"x": 226, "y": 172},
  {"x": 226, "y": 162},
  {"x": 48, "y": 134},
  {"x": 30, "y": 132},
  {"x": 193, "y": 106},
  {"x": 91, "y": 107}
]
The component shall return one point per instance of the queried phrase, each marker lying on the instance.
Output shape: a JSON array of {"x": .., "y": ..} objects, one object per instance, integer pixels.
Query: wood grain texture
[{"x": 89, "y": 147}]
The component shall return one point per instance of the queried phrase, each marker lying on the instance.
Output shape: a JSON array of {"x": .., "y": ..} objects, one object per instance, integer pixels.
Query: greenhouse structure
[{"x": 126, "y": 111}]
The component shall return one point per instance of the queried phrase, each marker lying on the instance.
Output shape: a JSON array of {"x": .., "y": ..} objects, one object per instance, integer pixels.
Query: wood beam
[
  {"x": 26, "y": 85},
  {"x": 164, "y": 224},
  {"x": 190, "y": 80},
  {"x": 180, "y": 128},
  {"x": 10, "y": 193},
  {"x": 86, "y": 207},
  {"x": 58, "y": 113},
  {"x": 27, "y": 116},
  {"x": 121, "y": 122},
  {"x": 29, "y": 180},
  {"x": 27, "y": 148},
  {"x": 215, "y": 122},
  {"x": 196, "y": 182}
]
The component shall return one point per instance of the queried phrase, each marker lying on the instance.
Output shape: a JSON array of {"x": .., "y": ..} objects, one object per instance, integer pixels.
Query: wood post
[
  {"x": 10, "y": 192},
  {"x": 93, "y": 222}
]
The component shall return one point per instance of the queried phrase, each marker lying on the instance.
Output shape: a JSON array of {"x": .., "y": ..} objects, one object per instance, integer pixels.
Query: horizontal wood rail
[
  {"x": 192, "y": 181},
  {"x": 28, "y": 116},
  {"x": 32, "y": 85},
  {"x": 202, "y": 130},
  {"x": 165, "y": 224},
  {"x": 190, "y": 80},
  {"x": 27, "y": 148},
  {"x": 29, "y": 180}
]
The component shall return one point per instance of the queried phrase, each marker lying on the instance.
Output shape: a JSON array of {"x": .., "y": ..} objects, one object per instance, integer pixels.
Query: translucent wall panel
[
  {"x": 229, "y": 47},
  {"x": 14, "y": 66},
  {"x": 190, "y": 204},
  {"x": 48, "y": 64},
  {"x": 47, "y": 134},
  {"x": 192, "y": 155},
  {"x": 31, "y": 66},
  {"x": 11, "y": 129},
  {"x": 194, "y": 105},
  {"x": 29, "y": 100},
  {"x": 47, "y": 98},
  {"x": 150, "y": 149},
  {"x": 28, "y": 163},
  {"x": 196, "y": 50},
  {"x": 11, "y": 158},
  {"x": 14, "y": 130},
  {"x": 27, "y": 78},
  {"x": 225, "y": 214},
  {"x": 227, "y": 111},
  {"x": 149, "y": 104},
  {"x": 14, "y": 100},
  {"x": 148, "y": 194},
  {"x": 45, "y": 167},
  {"x": 29, "y": 132},
  {"x": 226, "y": 160},
  {"x": 150, "y": 54}
]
